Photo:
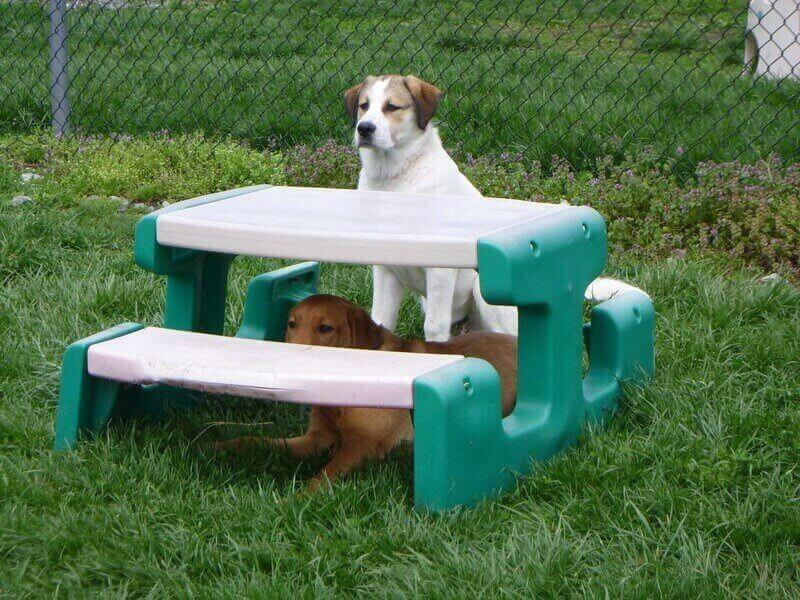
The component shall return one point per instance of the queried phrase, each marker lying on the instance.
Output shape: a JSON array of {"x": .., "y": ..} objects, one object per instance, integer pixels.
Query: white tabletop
[
  {"x": 348, "y": 226},
  {"x": 266, "y": 370}
]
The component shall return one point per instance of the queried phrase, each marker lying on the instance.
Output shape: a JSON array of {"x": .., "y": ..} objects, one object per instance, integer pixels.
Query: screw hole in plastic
[
  {"x": 587, "y": 233},
  {"x": 468, "y": 386},
  {"x": 637, "y": 315},
  {"x": 535, "y": 248}
]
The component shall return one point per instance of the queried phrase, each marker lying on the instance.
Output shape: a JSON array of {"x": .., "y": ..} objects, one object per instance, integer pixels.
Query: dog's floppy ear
[
  {"x": 426, "y": 99},
  {"x": 351, "y": 101},
  {"x": 364, "y": 332}
]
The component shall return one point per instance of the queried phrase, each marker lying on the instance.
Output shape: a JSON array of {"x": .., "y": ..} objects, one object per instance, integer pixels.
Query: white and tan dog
[{"x": 401, "y": 151}]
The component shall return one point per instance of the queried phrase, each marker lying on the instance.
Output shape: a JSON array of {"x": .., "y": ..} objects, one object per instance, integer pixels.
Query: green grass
[
  {"x": 563, "y": 78},
  {"x": 692, "y": 492}
]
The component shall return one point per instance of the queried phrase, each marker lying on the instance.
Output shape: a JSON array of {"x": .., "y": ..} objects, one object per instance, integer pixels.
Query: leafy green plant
[
  {"x": 162, "y": 167},
  {"x": 147, "y": 168}
]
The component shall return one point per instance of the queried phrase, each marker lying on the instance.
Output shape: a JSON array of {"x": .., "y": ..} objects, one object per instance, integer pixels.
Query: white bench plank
[
  {"x": 348, "y": 226},
  {"x": 265, "y": 370}
]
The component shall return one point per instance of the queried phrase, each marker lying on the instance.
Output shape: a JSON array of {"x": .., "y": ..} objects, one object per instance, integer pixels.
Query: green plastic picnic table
[{"x": 538, "y": 257}]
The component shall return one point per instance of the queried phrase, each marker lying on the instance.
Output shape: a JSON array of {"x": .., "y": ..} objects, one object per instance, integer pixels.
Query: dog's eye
[
  {"x": 292, "y": 324},
  {"x": 392, "y": 107},
  {"x": 323, "y": 328},
  {"x": 364, "y": 106}
]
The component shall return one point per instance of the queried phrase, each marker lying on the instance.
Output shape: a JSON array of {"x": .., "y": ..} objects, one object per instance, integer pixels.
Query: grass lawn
[
  {"x": 565, "y": 78},
  {"x": 692, "y": 492}
]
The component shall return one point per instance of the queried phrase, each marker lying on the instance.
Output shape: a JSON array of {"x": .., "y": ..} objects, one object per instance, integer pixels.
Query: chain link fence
[{"x": 697, "y": 80}]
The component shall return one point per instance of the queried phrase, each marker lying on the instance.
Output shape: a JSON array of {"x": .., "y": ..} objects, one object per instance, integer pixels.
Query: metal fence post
[{"x": 58, "y": 67}]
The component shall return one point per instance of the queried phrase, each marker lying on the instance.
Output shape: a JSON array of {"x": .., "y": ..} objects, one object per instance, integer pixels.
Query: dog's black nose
[{"x": 366, "y": 128}]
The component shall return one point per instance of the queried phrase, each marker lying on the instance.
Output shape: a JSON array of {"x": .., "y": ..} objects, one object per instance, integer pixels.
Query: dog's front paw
[{"x": 319, "y": 483}]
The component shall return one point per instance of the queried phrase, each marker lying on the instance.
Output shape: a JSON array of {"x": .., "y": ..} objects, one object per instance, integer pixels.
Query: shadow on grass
[{"x": 189, "y": 437}]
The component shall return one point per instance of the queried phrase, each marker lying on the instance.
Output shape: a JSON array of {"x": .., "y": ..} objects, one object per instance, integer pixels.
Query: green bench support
[
  {"x": 85, "y": 404},
  {"x": 463, "y": 450},
  {"x": 271, "y": 296}
]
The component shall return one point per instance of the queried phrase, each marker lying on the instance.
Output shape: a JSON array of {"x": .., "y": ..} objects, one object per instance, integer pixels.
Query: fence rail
[{"x": 578, "y": 79}]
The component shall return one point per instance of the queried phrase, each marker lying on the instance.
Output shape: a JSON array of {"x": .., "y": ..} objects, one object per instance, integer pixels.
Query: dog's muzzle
[{"x": 365, "y": 130}]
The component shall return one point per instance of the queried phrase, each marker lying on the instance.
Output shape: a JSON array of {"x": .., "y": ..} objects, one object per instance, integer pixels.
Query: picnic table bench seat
[{"x": 262, "y": 369}]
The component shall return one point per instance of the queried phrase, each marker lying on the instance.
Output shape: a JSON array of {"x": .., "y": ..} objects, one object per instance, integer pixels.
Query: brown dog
[{"x": 358, "y": 434}]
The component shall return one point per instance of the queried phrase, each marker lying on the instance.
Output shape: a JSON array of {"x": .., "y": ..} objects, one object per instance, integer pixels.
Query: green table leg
[
  {"x": 464, "y": 450},
  {"x": 197, "y": 282},
  {"x": 197, "y": 287}
]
